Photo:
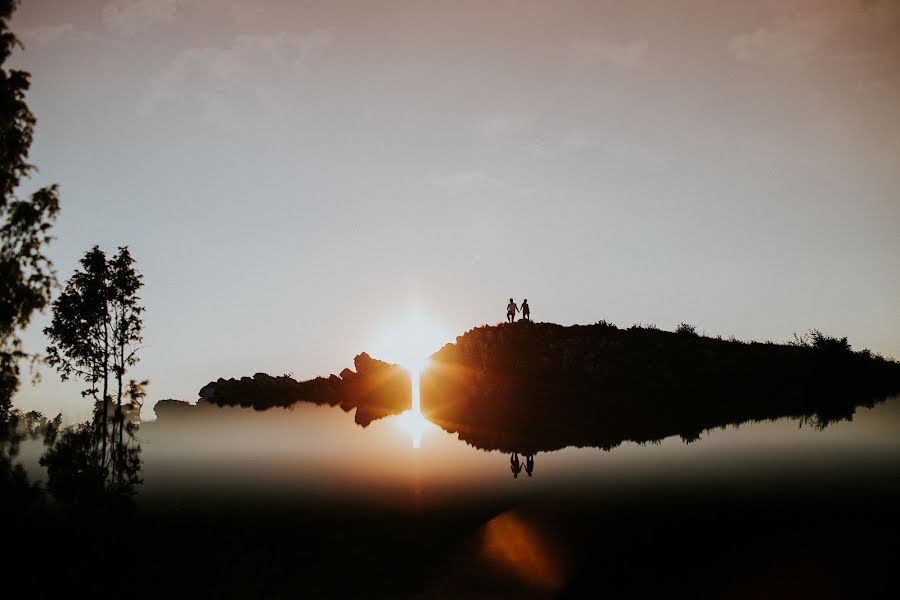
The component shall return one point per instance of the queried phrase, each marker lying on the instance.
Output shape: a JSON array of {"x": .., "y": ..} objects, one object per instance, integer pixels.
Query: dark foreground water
[{"x": 305, "y": 503}]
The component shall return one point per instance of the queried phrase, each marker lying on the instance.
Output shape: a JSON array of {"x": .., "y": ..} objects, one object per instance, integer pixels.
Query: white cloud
[
  {"x": 622, "y": 56},
  {"x": 254, "y": 73},
  {"x": 631, "y": 154},
  {"x": 805, "y": 31},
  {"x": 792, "y": 41},
  {"x": 578, "y": 140},
  {"x": 464, "y": 182},
  {"x": 506, "y": 124},
  {"x": 45, "y": 35},
  {"x": 129, "y": 17},
  {"x": 614, "y": 151}
]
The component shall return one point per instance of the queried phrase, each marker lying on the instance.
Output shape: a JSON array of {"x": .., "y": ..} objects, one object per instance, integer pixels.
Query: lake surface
[
  {"x": 305, "y": 503},
  {"x": 402, "y": 461}
]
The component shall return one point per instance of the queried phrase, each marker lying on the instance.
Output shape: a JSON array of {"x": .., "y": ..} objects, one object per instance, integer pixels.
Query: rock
[
  {"x": 363, "y": 363},
  {"x": 375, "y": 390}
]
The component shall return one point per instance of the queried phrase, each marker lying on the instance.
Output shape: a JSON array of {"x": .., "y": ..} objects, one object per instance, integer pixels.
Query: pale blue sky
[{"x": 294, "y": 177}]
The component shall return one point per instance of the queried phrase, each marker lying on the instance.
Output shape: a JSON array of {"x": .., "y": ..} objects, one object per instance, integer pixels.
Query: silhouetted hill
[
  {"x": 376, "y": 389},
  {"x": 531, "y": 387}
]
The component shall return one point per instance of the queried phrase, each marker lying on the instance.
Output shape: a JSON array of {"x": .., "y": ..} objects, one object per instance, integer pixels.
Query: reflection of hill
[
  {"x": 376, "y": 389},
  {"x": 531, "y": 387}
]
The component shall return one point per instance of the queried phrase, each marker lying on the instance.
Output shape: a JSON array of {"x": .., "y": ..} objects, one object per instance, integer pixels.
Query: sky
[{"x": 299, "y": 181}]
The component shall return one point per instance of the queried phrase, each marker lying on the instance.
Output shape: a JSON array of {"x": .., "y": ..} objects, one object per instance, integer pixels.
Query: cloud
[
  {"x": 578, "y": 140},
  {"x": 464, "y": 182},
  {"x": 806, "y": 31},
  {"x": 792, "y": 41},
  {"x": 130, "y": 17},
  {"x": 506, "y": 124},
  {"x": 45, "y": 35},
  {"x": 612, "y": 151},
  {"x": 621, "y": 56},
  {"x": 254, "y": 73},
  {"x": 634, "y": 155}
]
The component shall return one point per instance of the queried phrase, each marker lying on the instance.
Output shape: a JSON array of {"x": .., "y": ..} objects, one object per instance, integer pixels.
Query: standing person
[
  {"x": 511, "y": 310},
  {"x": 526, "y": 312}
]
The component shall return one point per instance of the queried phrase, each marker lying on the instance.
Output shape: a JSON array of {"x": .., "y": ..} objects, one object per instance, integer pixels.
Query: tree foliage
[
  {"x": 95, "y": 334},
  {"x": 26, "y": 274}
]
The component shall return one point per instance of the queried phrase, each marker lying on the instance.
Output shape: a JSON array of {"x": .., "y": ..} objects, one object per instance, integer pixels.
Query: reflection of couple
[{"x": 515, "y": 465}]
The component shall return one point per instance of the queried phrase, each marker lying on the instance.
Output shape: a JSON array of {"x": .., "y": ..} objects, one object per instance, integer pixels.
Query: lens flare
[{"x": 515, "y": 546}]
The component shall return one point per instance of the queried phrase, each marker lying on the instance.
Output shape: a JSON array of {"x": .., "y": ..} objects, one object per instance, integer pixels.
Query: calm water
[
  {"x": 320, "y": 452},
  {"x": 305, "y": 503}
]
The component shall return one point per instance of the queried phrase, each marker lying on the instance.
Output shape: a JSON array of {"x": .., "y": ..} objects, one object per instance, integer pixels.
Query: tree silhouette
[
  {"x": 26, "y": 274},
  {"x": 127, "y": 327},
  {"x": 78, "y": 476},
  {"x": 94, "y": 334}
]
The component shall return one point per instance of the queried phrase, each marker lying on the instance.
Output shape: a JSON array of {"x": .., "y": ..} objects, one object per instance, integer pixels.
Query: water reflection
[
  {"x": 414, "y": 425},
  {"x": 319, "y": 450},
  {"x": 514, "y": 465}
]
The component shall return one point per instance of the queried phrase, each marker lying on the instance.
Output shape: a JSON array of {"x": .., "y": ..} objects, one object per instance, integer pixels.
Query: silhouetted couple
[
  {"x": 512, "y": 309},
  {"x": 515, "y": 465}
]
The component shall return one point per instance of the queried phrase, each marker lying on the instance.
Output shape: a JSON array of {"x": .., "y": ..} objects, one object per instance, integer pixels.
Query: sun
[{"x": 409, "y": 341}]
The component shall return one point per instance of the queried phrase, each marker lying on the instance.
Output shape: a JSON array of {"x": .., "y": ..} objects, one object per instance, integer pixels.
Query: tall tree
[
  {"x": 95, "y": 332},
  {"x": 26, "y": 274},
  {"x": 80, "y": 334},
  {"x": 127, "y": 325}
]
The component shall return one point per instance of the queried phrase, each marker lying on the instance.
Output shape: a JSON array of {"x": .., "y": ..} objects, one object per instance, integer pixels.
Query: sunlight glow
[
  {"x": 410, "y": 341},
  {"x": 415, "y": 425},
  {"x": 413, "y": 422}
]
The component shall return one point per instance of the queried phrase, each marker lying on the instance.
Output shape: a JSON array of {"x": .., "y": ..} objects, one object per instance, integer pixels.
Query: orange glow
[
  {"x": 412, "y": 421},
  {"x": 516, "y": 547},
  {"x": 410, "y": 341}
]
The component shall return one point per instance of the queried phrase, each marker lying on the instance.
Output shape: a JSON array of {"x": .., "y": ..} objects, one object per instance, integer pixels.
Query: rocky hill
[{"x": 539, "y": 386}]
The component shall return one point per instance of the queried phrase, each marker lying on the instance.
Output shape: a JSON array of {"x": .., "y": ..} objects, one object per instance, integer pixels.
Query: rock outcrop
[{"x": 376, "y": 389}]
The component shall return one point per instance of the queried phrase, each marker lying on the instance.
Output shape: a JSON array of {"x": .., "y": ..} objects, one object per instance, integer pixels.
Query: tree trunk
[
  {"x": 103, "y": 431},
  {"x": 120, "y": 373}
]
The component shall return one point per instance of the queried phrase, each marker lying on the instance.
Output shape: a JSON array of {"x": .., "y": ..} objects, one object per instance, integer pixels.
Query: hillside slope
[{"x": 540, "y": 386}]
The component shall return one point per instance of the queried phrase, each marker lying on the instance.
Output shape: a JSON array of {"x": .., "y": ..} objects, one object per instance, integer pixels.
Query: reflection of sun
[
  {"x": 412, "y": 421},
  {"x": 409, "y": 343},
  {"x": 414, "y": 424}
]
